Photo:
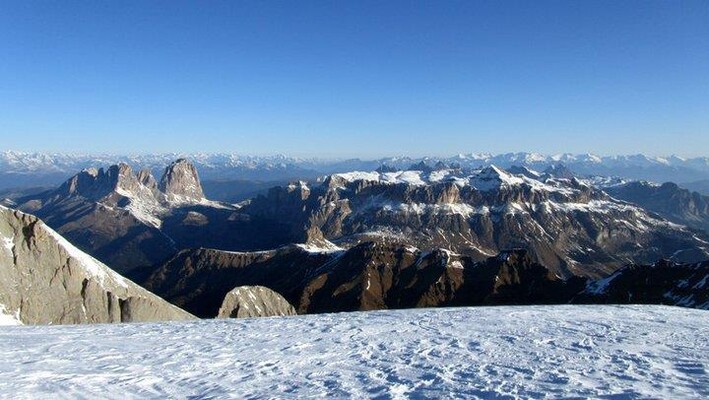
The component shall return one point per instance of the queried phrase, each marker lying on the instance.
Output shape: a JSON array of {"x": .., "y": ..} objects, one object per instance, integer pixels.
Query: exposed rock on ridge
[
  {"x": 254, "y": 301},
  {"x": 669, "y": 200},
  {"x": 46, "y": 280},
  {"x": 572, "y": 227}
]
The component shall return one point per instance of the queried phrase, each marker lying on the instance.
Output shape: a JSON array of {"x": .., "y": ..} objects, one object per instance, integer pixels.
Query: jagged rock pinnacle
[{"x": 180, "y": 182}]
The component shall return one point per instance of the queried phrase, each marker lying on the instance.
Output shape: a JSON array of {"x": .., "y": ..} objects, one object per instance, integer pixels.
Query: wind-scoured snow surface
[{"x": 491, "y": 352}]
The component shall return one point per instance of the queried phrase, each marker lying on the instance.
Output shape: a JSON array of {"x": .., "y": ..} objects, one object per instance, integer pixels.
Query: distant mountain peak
[
  {"x": 559, "y": 171},
  {"x": 18, "y": 168},
  {"x": 421, "y": 166},
  {"x": 521, "y": 170},
  {"x": 96, "y": 184},
  {"x": 180, "y": 182},
  {"x": 492, "y": 171},
  {"x": 492, "y": 177}
]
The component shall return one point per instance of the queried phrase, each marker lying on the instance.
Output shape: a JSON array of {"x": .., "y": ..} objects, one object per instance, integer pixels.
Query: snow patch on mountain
[
  {"x": 8, "y": 244},
  {"x": 410, "y": 177},
  {"x": 144, "y": 208},
  {"x": 322, "y": 246},
  {"x": 359, "y": 176},
  {"x": 492, "y": 178},
  {"x": 487, "y": 179},
  {"x": 8, "y": 318},
  {"x": 601, "y": 286},
  {"x": 220, "y": 166},
  {"x": 463, "y": 209}
]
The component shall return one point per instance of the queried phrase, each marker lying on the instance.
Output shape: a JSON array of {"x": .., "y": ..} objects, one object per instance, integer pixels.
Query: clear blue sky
[{"x": 357, "y": 78}]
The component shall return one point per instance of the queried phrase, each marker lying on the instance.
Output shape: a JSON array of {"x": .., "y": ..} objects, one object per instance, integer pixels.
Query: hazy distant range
[{"x": 232, "y": 177}]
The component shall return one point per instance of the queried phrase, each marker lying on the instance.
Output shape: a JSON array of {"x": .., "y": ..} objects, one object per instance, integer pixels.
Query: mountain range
[
  {"x": 426, "y": 235},
  {"x": 131, "y": 221},
  {"x": 21, "y": 169}
]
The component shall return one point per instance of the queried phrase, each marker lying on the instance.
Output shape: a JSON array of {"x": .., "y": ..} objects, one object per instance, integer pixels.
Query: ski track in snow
[{"x": 486, "y": 352}]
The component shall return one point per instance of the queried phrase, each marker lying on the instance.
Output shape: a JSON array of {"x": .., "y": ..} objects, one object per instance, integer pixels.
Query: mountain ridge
[
  {"x": 130, "y": 222},
  {"x": 19, "y": 167}
]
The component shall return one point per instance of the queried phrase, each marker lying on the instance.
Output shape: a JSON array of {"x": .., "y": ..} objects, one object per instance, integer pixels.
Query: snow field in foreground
[{"x": 486, "y": 352}]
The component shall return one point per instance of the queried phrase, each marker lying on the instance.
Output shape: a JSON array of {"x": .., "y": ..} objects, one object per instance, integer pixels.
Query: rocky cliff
[
  {"x": 180, "y": 183},
  {"x": 571, "y": 227},
  {"x": 668, "y": 200},
  {"x": 46, "y": 280},
  {"x": 128, "y": 220}
]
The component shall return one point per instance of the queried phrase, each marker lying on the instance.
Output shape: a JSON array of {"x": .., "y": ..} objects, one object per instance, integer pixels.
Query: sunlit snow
[{"x": 552, "y": 351}]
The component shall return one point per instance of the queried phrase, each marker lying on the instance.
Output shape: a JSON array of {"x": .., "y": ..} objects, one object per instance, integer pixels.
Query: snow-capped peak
[{"x": 493, "y": 177}]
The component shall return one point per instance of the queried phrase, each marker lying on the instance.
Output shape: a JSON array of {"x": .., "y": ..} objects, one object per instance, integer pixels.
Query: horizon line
[{"x": 343, "y": 158}]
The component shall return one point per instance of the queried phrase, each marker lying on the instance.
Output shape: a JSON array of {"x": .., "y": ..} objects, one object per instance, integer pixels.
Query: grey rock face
[
  {"x": 180, "y": 182},
  {"x": 46, "y": 280},
  {"x": 96, "y": 184},
  {"x": 669, "y": 200},
  {"x": 254, "y": 301}
]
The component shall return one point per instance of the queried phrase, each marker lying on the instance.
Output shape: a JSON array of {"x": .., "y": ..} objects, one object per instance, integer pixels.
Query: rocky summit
[
  {"x": 118, "y": 216},
  {"x": 180, "y": 183},
  {"x": 668, "y": 200}
]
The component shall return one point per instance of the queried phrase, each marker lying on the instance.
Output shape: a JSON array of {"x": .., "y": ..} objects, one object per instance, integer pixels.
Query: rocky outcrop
[
  {"x": 559, "y": 171},
  {"x": 99, "y": 184},
  {"x": 198, "y": 280},
  {"x": 46, "y": 280},
  {"x": 664, "y": 282},
  {"x": 180, "y": 183},
  {"x": 254, "y": 301},
  {"x": 376, "y": 276}
]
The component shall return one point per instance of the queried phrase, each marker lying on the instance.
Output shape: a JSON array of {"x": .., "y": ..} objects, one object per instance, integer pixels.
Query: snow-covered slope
[{"x": 521, "y": 352}]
